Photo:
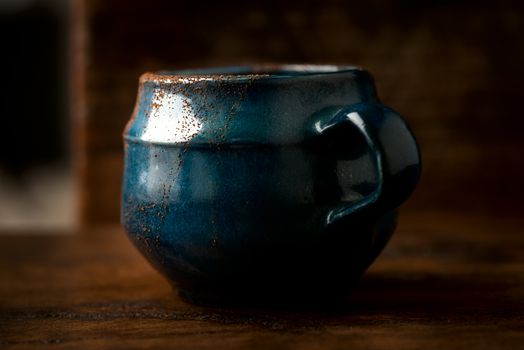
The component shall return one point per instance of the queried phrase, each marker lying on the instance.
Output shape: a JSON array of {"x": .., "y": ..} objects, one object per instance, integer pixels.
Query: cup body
[{"x": 226, "y": 191}]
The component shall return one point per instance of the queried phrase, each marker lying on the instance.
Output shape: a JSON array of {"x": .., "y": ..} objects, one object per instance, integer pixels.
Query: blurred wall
[
  {"x": 453, "y": 68},
  {"x": 35, "y": 181}
]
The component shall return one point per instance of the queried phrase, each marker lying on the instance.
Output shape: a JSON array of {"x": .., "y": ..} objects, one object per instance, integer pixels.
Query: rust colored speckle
[{"x": 159, "y": 78}]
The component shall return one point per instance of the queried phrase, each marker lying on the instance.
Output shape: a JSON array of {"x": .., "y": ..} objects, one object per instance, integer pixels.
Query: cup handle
[{"x": 394, "y": 150}]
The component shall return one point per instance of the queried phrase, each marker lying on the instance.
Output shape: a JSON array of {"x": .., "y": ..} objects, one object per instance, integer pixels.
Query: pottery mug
[{"x": 264, "y": 183}]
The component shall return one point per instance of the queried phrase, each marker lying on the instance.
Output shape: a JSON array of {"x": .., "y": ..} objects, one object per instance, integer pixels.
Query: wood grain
[{"x": 445, "y": 281}]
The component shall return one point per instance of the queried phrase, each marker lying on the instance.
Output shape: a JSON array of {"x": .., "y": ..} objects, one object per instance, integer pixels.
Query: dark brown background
[
  {"x": 453, "y": 68},
  {"x": 452, "y": 277}
]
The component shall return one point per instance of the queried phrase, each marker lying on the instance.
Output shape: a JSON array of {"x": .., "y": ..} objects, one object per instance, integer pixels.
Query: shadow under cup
[{"x": 263, "y": 187}]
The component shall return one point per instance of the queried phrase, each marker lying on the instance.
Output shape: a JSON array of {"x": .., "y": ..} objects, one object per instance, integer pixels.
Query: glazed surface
[{"x": 236, "y": 181}]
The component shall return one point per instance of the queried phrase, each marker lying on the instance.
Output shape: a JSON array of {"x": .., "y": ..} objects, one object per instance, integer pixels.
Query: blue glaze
[{"x": 241, "y": 183}]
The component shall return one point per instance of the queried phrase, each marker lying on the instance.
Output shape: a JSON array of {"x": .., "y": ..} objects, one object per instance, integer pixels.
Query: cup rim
[{"x": 242, "y": 73}]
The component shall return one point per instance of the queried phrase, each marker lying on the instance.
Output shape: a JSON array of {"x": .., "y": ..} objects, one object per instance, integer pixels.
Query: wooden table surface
[{"x": 446, "y": 281}]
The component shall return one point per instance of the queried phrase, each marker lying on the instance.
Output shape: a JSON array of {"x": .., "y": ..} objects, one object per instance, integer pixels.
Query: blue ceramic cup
[{"x": 265, "y": 183}]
